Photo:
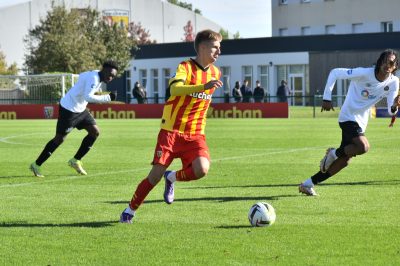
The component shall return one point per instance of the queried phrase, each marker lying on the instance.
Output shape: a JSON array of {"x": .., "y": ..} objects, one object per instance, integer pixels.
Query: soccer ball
[{"x": 262, "y": 214}]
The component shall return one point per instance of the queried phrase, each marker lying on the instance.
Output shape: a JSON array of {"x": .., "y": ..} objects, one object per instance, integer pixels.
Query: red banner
[{"x": 134, "y": 111}]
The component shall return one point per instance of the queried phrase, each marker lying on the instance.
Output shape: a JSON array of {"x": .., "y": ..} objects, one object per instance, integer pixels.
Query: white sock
[
  {"x": 308, "y": 183},
  {"x": 172, "y": 176},
  {"x": 130, "y": 211}
]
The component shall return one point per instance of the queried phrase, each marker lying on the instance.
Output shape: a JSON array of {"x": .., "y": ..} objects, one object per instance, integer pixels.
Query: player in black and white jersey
[
  {"x": 367, "y": 87},
  {"x": 73, "y": 114}
]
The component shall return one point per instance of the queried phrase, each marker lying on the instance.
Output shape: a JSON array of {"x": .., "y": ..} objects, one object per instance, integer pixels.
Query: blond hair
[{"x": 205, "y": 36}]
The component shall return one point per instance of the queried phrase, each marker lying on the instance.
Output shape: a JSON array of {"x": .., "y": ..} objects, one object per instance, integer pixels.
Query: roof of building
[
  {"x": 8, "y": 3},
  {"x": 312, "y": 43}
]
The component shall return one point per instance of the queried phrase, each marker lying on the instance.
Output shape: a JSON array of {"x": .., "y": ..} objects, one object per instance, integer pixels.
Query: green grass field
[{"x": 65, "y": 219}]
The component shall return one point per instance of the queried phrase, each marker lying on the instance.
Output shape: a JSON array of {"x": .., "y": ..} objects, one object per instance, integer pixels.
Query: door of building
[{"x": 297, "y": 90}]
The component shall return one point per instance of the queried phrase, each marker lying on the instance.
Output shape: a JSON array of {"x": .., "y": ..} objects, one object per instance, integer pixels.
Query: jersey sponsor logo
[
  {"x": 201, "y": 95},
  {"x": 365, "y": 94},
  {"x": 349, "y": 72}
]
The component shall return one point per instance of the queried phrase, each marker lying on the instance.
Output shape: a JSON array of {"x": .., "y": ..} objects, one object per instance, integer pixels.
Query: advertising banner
[{"x": 135, "y": 111}]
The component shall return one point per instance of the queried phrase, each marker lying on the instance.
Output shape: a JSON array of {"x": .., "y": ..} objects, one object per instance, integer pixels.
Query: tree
[
  {"x": 188, "y": 35},
  {"x": 224, "y": 34},
  {"x": 139, "y": 34},
  {"x": 7, "y": 70},
  {"x": 75, "y": 41},
  {"x": 236, "y": 35},
  {"x": 185, "y": 5}
]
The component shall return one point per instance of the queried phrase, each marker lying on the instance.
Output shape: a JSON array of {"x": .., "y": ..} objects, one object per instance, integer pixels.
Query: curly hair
[
  {"x": 110, "y": 64},
  {"x": 383, "y": 58}
]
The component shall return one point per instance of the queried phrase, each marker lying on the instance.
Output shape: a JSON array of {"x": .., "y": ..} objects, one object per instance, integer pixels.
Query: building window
[
  {"x": 263, "y": 77},
  {"x": 154, "y": 84},
  {"x": 305, "y": 1},
  {"x": 248, "y": 74},
  {"x": 128, "y": 85},
  {"x": 143, "y": 77},
  {"x": 225, "y": 78},
  {"x": 283, "y": 32},
  {"x": 387, "y": 26},
  {"x": 330, "y": 29},
  {"x": 166, "y": 77},
  {"x": 283, "y": 2},
  {"x": 356, "y": 28},
  {"x": 305, "y": 30}
]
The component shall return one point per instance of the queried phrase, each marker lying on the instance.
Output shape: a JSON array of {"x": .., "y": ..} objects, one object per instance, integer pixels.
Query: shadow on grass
[
  {"x": 361, "y": 183},
  {"x": 217, "y": 199},
  {"x": 36, "y": 178},
  {"x": 233, "y": 226},
  {"x": 86, "y": 224}
]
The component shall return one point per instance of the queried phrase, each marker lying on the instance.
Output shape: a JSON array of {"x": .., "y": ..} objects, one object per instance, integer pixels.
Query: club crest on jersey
[
  {"x": 201, "y": 95},
  {"x": 386, "y": 88},
  {"x": 159, "y": 154}
]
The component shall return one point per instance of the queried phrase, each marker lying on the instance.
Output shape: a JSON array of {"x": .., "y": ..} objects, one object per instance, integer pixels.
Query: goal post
[{"x": 35, "y": 89}]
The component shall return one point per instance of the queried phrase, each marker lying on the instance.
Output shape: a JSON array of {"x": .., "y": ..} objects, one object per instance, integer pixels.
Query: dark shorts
[
  {"x": 350, "y": 130},
  {"x": 68, "y": 120}
]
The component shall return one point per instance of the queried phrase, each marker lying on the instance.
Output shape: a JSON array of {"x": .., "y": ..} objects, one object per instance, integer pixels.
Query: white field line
[
  {"x": 7, "y": 139},
  {"x": 63, "y": 178}
]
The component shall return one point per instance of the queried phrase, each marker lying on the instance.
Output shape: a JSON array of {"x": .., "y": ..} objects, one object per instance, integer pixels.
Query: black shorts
[
  {"x": 350, "y": 130},
  {"x": 68, "y": 120}
]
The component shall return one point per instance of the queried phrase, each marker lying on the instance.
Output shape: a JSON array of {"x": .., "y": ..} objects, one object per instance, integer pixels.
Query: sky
[{"x": 248, "y": 17}]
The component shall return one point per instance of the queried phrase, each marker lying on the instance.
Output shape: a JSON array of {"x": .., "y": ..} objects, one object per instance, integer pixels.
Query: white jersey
[
  {"x": 363, "y": 93},
  {"x": 84, "y": 91}
]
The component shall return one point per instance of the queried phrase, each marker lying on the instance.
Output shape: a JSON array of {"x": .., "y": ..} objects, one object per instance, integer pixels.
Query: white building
[
  {"x": 316, "y": 17},
  {"x": 163, "y": 20}
]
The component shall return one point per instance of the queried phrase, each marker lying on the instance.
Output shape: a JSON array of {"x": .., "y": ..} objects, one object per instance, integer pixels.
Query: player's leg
[
  {"x": 64, "y": 126},
  {"x": 353, "y": 143},
  {"x": 48, "y": 150},
  {"x": 141, "y": 192},
  {"x": 87, "y": 122},
  {"x": 195, "y": 158},
  {"x": 162, "y": 158}
]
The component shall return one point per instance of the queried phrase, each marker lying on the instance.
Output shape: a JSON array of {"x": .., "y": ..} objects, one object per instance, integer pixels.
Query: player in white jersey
[
  {"x": 367, "y": 87},
  {"x": 73, "y": 114}
]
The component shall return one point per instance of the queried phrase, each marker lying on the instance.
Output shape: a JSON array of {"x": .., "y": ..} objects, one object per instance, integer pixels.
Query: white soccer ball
[{"x": 262, "y": 214}]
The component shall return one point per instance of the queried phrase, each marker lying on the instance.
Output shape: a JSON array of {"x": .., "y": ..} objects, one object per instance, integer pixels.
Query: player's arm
[
  {"x": 91, "y": 91},
  {"x": 393, "y": 103},
  {"x": 179, "y": 88},
  {"x": 393, "y": 100},
  {"x": 334, "y": 75}
]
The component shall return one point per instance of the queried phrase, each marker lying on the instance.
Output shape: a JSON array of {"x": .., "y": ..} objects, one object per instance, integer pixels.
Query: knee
[
  {"x": 201, "y": 171},
  {"x": 364, "y": 148},
  {"x": 95, "y": 134}
]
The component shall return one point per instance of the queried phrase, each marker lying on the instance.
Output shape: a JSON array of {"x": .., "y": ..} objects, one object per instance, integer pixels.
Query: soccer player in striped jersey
[
  {"x": 183, "y": 123},
  {"x": 367, "y": 87}
]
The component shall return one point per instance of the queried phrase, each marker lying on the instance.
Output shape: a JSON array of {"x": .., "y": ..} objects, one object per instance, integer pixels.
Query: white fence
[{"x": 38, "y": 89}]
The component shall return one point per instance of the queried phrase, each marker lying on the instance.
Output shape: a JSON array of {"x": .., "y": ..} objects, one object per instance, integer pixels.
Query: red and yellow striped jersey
[{"x": 187, "y": 113}]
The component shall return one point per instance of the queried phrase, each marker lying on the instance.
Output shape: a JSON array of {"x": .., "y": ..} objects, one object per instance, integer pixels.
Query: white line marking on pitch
[
  {"x": 63, "y": 178},
  {"x": 6, "y": 139}
]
